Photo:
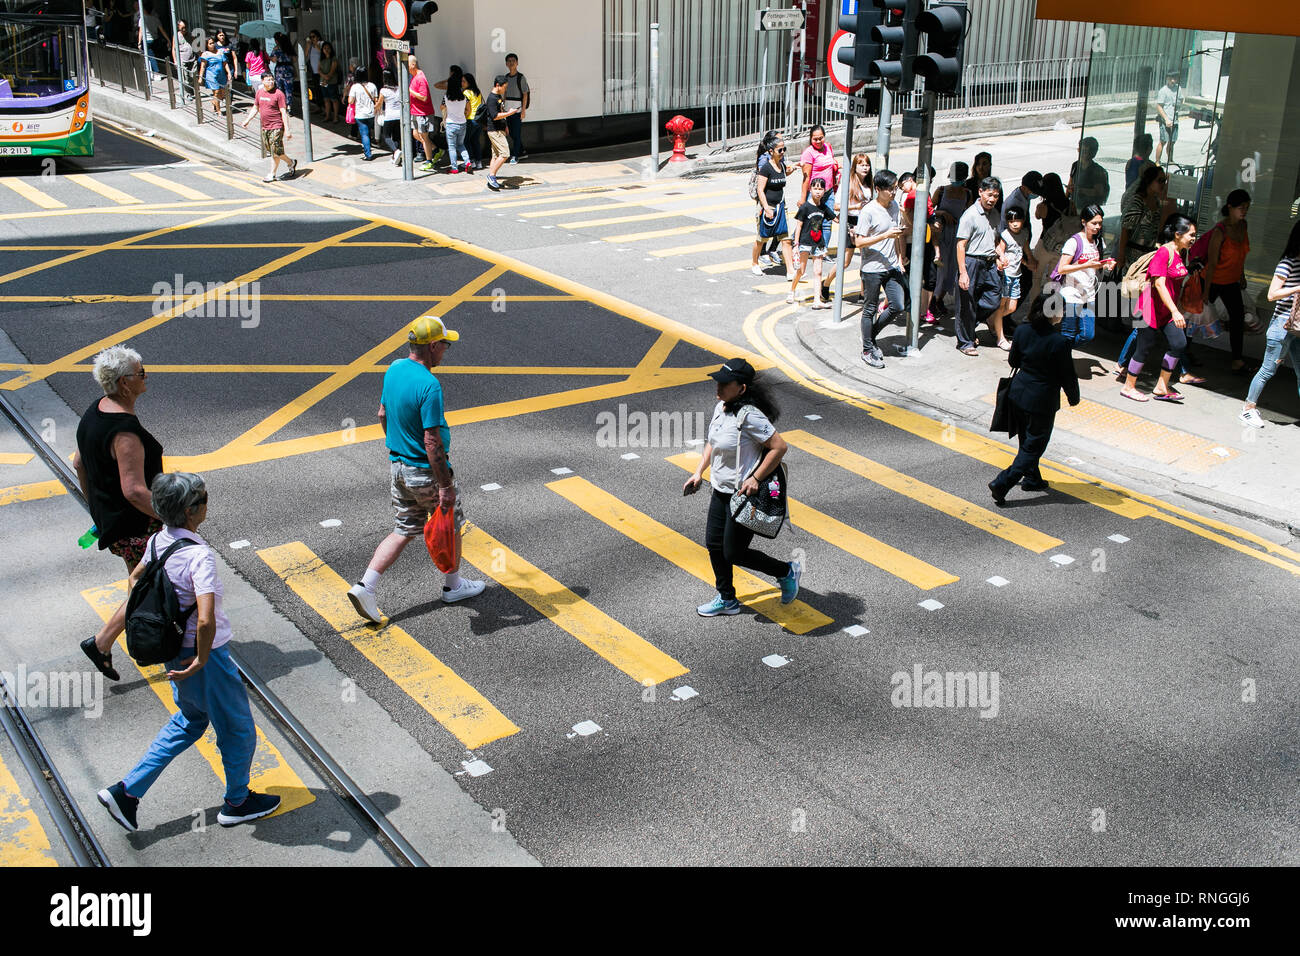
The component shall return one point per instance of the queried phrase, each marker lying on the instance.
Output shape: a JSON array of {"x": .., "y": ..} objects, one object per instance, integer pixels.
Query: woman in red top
[
  {"x": 1225, "y": 271},
  {"x": 1158, "y": 305}
]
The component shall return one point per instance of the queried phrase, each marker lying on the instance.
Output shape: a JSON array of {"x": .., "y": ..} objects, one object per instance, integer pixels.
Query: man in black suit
[{"x": 1042, "y": 354}]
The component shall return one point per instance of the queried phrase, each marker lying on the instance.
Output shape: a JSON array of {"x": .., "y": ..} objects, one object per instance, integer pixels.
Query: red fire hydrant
[{"x": 680, "y": 128}]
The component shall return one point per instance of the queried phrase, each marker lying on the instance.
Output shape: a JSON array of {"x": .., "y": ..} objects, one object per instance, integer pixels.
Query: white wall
[{"x": 446, "y": 39}]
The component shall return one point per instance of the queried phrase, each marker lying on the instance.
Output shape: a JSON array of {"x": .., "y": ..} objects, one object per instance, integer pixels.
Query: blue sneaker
[
  {"x": 119, "y": 806},
  {"x": 255, "y": 805},
  {"x": 790, "y": 583},
  {"x": 718, "y": 606}
]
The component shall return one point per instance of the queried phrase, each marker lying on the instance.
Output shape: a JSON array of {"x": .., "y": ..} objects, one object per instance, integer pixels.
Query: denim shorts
[
  {"x": 815, "y": 252},
  {"x": 415, "y": 496},
  {"x": 1011, "y": 287}
]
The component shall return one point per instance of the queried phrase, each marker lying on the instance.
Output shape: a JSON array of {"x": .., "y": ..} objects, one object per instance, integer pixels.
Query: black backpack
[
  {"x": 481, "y": 114},
  {"x": 155, "y": 623}
]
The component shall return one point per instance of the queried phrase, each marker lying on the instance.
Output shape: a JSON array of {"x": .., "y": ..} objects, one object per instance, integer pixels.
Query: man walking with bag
[{"x": 415, "y": 429}]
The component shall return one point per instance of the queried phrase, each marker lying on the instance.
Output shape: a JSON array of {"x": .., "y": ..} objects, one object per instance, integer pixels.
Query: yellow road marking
[
  {"x": 546, "y": 370},
  {"x": 626, "y": 203},
  {"x": 796, "y": 617},
  {"x": 445, "y": 696},
  {"x": 31, "y": 492},
  {"x": 919, "y": 491},
  {"x": 194, "y": 302},
  {"x": 234, "y": 183},
  {"x": 579, "y": 195},
  {"x": 32, "y": 194},
  {"x": 657, "y": 354},
  {"x": 15, "y": 457},
  {"x": 713, "y": 246},
  {"x": 850, "y": 540},
  {"x": 185, "y": 192},
  {"x": 646, "y": 217},
  {"x": 626, "y": 650},
  {"x": 91, "y": 297},
  {"x": 270, "y": 772},
  {"x": 142, "y": 209},
  {"x": 678, "y": 230},
  {"x": 23, "y": 841},
  {"x": 87, "y": 181}
]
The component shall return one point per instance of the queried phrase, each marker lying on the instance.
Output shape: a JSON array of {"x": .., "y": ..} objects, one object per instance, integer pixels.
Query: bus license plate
[{"x": 15, "y": 150}]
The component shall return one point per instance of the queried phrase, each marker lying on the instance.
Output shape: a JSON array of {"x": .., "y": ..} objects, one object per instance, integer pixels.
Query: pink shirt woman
[{"x": 818, "y": 162}]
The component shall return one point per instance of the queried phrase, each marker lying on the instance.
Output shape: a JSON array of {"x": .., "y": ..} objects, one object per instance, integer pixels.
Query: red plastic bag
[{"x": 441, "y": 539}]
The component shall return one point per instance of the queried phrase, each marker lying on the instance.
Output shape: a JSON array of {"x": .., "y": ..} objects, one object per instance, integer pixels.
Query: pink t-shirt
[
  {"x": 420, "y": 85},
  {"x": 1152, "y": 306},
  {"x": 823, "y": 164},
  {"x": 268, "y": 108},
  {"x": 255, "y": 62}
]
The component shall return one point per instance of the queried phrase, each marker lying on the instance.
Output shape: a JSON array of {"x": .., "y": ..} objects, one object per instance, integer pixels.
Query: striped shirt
[{"x": 1282, "y": 311}]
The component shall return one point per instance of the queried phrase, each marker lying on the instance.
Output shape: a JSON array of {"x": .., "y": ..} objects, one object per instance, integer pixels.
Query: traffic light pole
[
  {"x": 882, "y": 132},
  {"x": 919, "y": 221},
  {"x": 846, "y": 237},
  {"x": 408, "y": 162}
]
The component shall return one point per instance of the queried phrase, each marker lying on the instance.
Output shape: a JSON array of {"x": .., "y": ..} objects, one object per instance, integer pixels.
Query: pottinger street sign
[{"x": 778, "y": 19}]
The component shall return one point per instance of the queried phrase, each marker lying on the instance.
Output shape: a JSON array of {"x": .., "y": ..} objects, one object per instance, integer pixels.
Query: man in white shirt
[
  {"x": 1167, "y": 110},
  {"x": 880, "y": 237}
]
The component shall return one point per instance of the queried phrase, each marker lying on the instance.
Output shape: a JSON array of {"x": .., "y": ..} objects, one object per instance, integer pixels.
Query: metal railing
[
  {"x": 739, "y": 117},
  {"x": 127, "y": 70}
]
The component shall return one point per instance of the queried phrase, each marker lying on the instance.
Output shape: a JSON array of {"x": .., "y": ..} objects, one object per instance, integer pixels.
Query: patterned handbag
[{"x": 763, "y": 512}]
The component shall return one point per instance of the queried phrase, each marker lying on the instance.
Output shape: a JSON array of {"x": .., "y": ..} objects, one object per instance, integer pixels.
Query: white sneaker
[
  {"x": 790, "y": 298},
  {"x": 775, "y": 259},
  {"x": 269, "y": 178},
  {"x": 397, "y": 157},
  {"x": 1251, "y": 417},
  {"x": 467, "y": 589},
  {"x": 363, "y": 600},
  {"x": 756, "y": 270}
]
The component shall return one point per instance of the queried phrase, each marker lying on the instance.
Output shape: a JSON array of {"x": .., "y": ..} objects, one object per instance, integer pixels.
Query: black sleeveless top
[{"x": 115, "y": 517}]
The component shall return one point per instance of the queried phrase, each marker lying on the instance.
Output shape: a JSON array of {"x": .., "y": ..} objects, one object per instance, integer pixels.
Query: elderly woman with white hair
[
  {"x": 206, "y": 683},
  {"x": 116, "y": 461}
]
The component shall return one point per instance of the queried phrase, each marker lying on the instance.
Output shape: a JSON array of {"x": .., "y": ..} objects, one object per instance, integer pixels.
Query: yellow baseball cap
[{"x": 428, "y": 329}]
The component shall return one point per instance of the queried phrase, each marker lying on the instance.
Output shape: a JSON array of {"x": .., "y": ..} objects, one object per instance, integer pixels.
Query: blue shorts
[{"x": 1011, "y": 287}]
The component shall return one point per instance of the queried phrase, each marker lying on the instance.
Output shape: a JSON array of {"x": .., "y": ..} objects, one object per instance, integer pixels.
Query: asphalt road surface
[{"x": 1132, "y": 672}]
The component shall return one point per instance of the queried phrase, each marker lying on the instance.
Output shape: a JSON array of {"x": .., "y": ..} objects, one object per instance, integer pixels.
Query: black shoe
[
  {"x": 826, "y": 294},
  {"x": 1034, "y": 486},
  {"x": 999, "y": 494},
  {"x": 119, "y": 806},
  {"x": 103, "y": 662},
  {"x": 255, "y": 806}
]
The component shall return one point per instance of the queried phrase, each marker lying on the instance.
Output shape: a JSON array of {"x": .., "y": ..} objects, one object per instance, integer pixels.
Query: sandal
[
  {"x": 1135, "y": 395},
  {"x": 1166, "y": 396},
  {"x": 970, "y": 351},
  {"x": 1188, "y": 379},
  {"x": 103, "y": 662}
]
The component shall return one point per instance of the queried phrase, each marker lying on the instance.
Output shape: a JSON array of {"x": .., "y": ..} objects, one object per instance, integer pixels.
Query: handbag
[
  {"x": 1003, "y": 421},
  {"x": 1293, "y": 320},
  {"x": 763, "y": 512},
  {"x": 350, "y": 116}
]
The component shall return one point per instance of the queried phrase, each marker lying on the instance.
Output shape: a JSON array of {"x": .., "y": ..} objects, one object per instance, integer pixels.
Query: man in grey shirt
[
  {"x": 978, "y": 262},
  {"x": 879, "y": 236},
  {"x": 1167, "y": 110},
  {"x": 517, "y": 97}
]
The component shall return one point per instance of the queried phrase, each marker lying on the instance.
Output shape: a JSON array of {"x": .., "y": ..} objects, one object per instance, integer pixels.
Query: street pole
[
  {"x": 306, "y": 104},
  {"x": 654, "y": 99},
  {"x": 882, "y": 132},
  {"x": 846, "y": 237},
  {"x": 408, "y": 163},
  {"x": 919, "y": 250}
]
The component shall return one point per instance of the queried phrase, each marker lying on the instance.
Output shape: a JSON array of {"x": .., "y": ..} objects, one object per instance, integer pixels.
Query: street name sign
[{"x": 778, "y": 19}]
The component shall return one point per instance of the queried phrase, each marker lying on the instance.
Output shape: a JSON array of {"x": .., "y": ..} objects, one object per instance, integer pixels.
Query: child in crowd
[
  {"x": 1013, "y": 245},
  {"x": 814, "y": 217}
]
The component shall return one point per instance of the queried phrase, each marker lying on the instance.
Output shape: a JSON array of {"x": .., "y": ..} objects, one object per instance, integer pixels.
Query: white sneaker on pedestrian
[
  {"x": 756, "y": 270},
  {"x": 467, "y": 589},
  {"x": 1251, "y": 417},
  {"x": 790, "y": 299},
  {"x": 773, "y": 258},
  {"x": 363, "y": 599},
  {"x": 269, "y": 178}
]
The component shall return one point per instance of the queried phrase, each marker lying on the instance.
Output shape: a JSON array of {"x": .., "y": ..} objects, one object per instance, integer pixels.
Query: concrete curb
[
  {"x": 209, "y": 140},
  {"x": 1097, "y": 455}
]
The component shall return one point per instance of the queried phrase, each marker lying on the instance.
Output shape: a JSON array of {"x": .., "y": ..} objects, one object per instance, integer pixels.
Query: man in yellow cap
[{"x": 415, "y": 429}]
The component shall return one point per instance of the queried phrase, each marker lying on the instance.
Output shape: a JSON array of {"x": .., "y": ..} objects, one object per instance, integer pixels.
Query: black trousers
[
  {"x": 976, "y": 304},
  {"x": 728, "y": 545},
  {"x": 1034, "y": 430},
  {"x": 1231, "y": 295}
]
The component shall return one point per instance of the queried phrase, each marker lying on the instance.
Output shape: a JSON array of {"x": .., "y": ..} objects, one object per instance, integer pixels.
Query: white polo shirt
[{"x": 193, "y": 571}]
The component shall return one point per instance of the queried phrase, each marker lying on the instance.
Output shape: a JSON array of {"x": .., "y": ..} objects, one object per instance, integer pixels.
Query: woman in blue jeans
[
  {"x": 206, "y": 684},
  {"x": 1282, "y": 290},
  {"x": 454, "y": 107}
]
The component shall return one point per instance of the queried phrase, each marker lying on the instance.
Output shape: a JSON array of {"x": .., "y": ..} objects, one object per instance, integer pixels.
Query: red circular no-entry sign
[
  {"x": 842, "y": 73},
  {"x": 395, "y": 18}
]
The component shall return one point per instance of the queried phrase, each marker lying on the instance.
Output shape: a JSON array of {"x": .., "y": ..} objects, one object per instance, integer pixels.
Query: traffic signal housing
[
  {"x": 420, "y": 11},
  {"x": 898, "y": 41},
  {"x": 864, "y": 49},
  {"x": 944, "y": 26}
]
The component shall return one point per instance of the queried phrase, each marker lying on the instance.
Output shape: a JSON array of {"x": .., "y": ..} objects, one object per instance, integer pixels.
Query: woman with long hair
[
  {"x": 1225, "y": 271},
  {"x": 216, "y": 73},
  {"x": 770, "y": 179},
  {"x": 1282, "y": 290},
  {"x": 861, "y": 192},
  {"x": 283, "y": 69},
  {"x": 1079, "y": 268},
  {"x": 330, "y": 73},
  {"x": 362, "y": 95},
  {"x": 388, "y": 109},
  {"x": 1158, "y": 309},
  {"x": 473, "y": 132},
  {"x": 1052, "y": 207},
  {"x": 454, "y": 118},
  {"x": 743, "y": 449}
]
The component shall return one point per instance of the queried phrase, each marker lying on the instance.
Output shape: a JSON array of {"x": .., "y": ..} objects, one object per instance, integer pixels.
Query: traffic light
[
  {"x": 944, "y": 25},
  {"x": 898, "y": 41},
  {"x": 421, "y": 11},
  {"x": 864, "y": 50}
]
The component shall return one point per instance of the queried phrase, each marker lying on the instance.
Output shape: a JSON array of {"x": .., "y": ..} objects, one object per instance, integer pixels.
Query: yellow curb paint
[
  {"x": 269, "y": 773},
  {"x": 919, "y": 491},
  {"x": 445, "y": 696},
  {"x": 796, "y": 617},
  {"x": 23, "y": 841},
  {"x": 850, "y": 540},
  {"x": 620, "y": 646}
]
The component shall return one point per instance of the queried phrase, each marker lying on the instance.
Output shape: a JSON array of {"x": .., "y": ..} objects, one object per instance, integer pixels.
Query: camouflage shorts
[{"x": 415, "y": 496}]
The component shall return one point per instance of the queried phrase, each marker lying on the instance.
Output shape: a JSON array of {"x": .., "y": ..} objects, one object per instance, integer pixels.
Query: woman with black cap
[{"x": 743, "y": 449}]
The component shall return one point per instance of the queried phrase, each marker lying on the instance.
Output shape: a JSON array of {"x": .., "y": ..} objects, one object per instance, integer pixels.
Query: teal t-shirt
[{"x": 412, "y": 400}]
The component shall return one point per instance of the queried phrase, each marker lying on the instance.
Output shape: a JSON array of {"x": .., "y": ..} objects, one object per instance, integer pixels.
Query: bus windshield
[{"x": 41, "y": 60}]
